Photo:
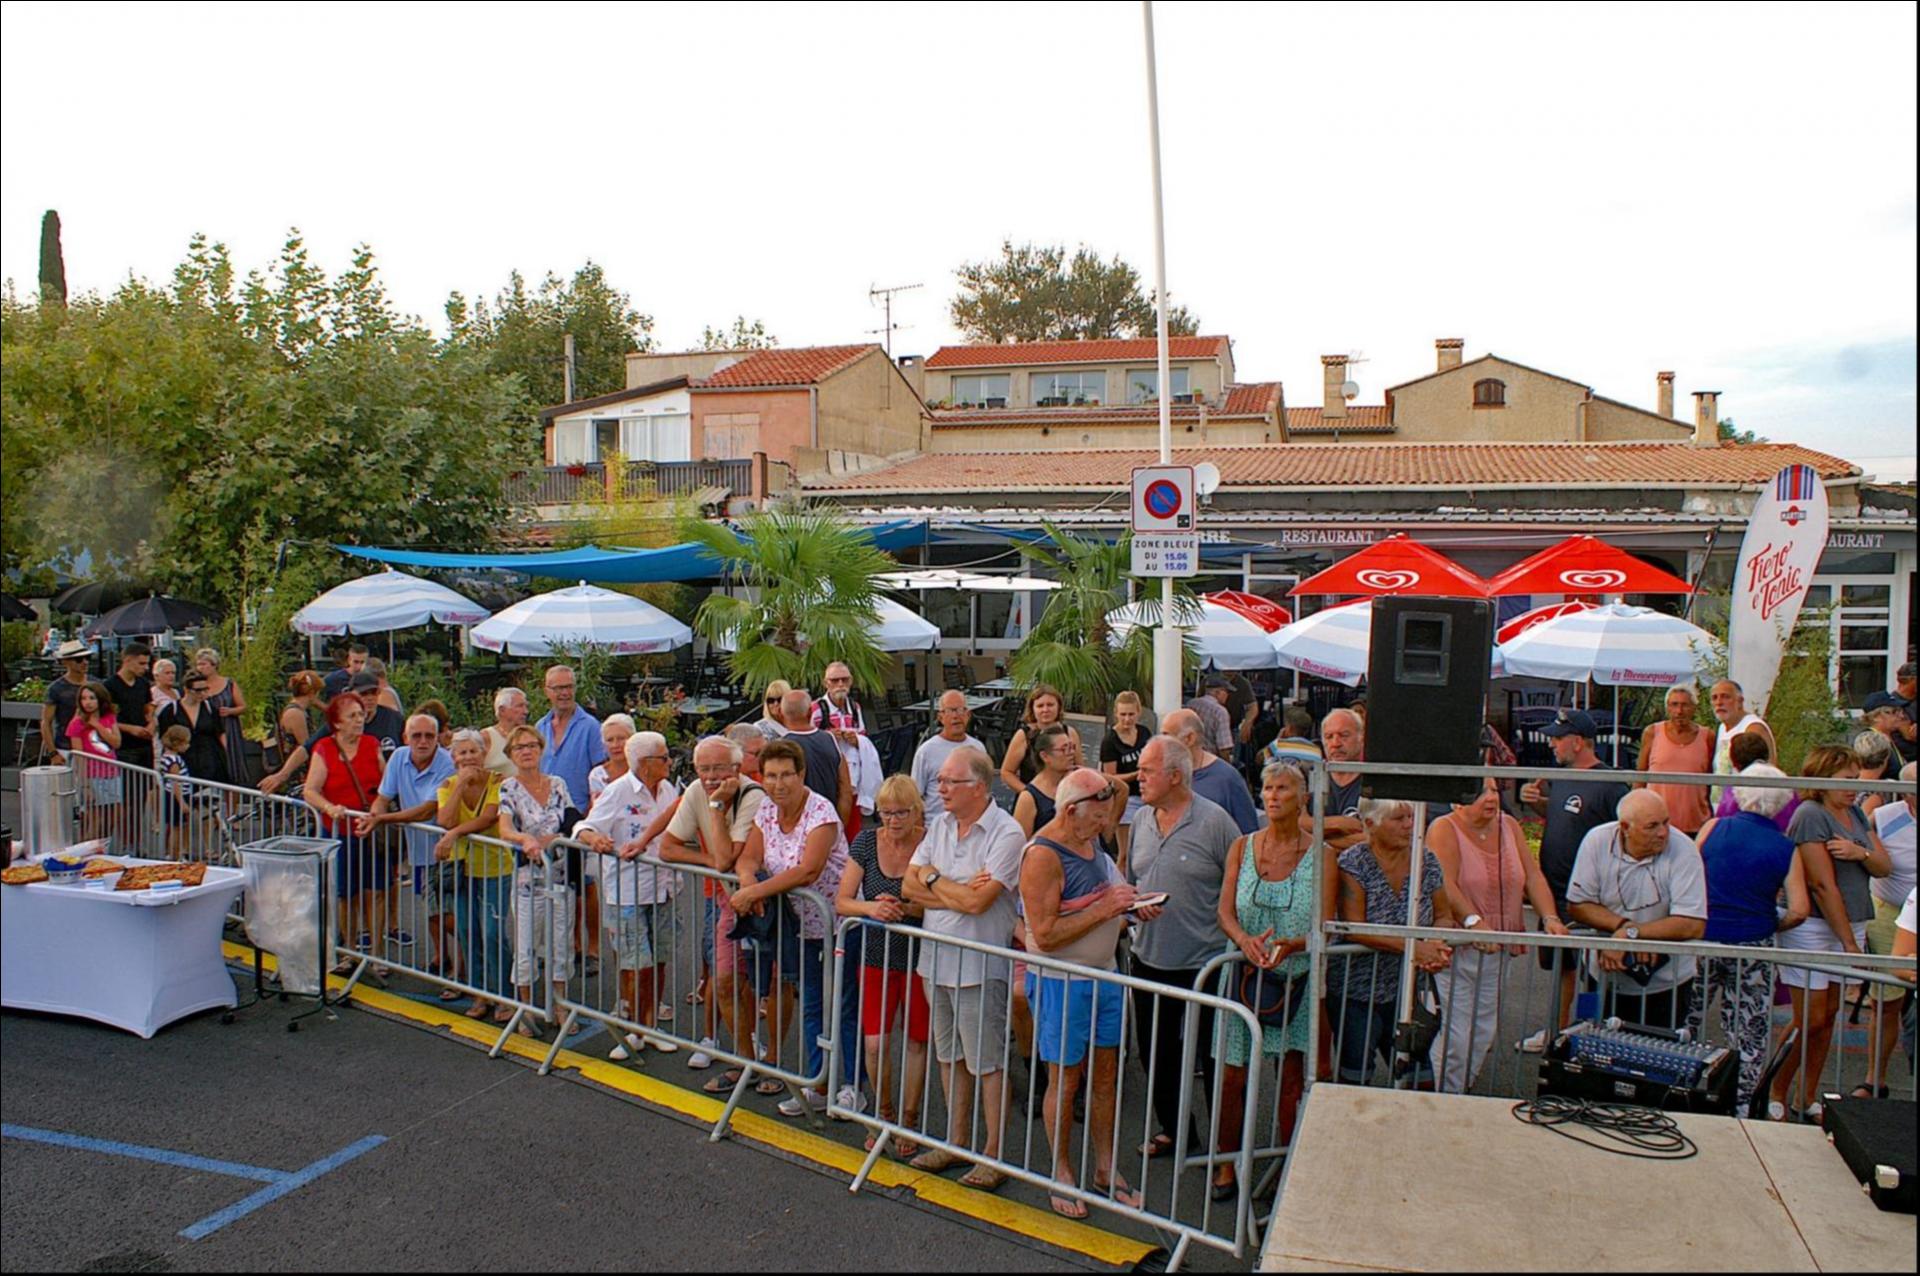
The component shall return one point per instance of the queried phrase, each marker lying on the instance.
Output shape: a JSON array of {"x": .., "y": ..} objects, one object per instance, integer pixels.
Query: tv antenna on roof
[{"x": 885, "y": 297}]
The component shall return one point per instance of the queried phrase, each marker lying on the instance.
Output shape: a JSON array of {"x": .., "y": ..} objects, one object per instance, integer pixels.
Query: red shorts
[{"x": 881, "y": 994}]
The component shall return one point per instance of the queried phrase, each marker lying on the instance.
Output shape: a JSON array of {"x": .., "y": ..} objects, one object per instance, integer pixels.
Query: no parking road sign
[
  {"x": 1166, "y": 541},
  {"x": 1163, "y": 498}
]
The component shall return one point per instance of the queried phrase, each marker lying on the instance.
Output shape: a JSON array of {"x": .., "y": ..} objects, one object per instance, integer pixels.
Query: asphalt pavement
[{"x": 480, "y": 1164}]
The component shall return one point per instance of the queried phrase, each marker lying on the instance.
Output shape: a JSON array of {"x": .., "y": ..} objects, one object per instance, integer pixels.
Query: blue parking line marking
[
  {"x": 162, "y": 1156},
  {"x": 279, "y": 1182},
  {"x": 273, "y": 1192}
]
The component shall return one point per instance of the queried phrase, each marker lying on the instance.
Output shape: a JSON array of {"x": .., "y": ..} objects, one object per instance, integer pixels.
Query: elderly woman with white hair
[
  {"x": 509, "y": 714},
  {"x": 1748, "y": 862},
  {"x": 1365, "y": 991},
  {"x": 1877, "y": 762},
  {"x": 617, "y": 830}
]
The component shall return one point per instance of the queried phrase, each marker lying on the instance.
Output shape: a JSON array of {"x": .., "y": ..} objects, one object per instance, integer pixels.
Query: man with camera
[{"x": 1639, "y": 878}]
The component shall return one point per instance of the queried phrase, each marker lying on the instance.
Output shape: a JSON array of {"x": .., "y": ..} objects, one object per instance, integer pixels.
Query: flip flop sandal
[
  {"x": 451, "y": 994},
  {"x": 1067, "y": 1207},
  {"x": 770, "y": 1086},
  {"x": 984, "y": 1177},
  {"x": 478, "y": 1010},
  {"x": 1123, "y": 1195},
  {"x": 1158, "y": 1146},
  {"x": 722, "y": 1084}
]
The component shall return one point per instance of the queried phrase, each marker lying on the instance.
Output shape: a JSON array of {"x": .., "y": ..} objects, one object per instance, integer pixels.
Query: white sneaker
[
  {"x": 627, "y": 1047},
  {"x": 662, "y": 1044},
  {"x": 700, "y": 1058},
  {"x": 1535, "y": 1044},
  {"x": 1776, "y": 1110},
  {"x": 810, "y": 1100},
  {"x": 848, "y": 1100},
  {"x": 663, "y": 1013},
  {"x": 1814, "y": 1112}
]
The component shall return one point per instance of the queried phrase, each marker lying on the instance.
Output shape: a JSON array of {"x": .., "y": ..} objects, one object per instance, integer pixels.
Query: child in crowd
[{"x": 175, "y": 802}]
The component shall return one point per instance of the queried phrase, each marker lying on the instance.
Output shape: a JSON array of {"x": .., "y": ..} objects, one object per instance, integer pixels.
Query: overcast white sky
[{"x": 1600, "y": 191}]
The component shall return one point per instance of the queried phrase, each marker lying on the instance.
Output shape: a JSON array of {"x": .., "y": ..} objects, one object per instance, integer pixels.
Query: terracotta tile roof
[
  {"x": 1370, "y": 418},
  {"x": 1025, "y": 352},
  {"x": 1259, "y": 398},
  {"x": 1355, "y": 465},
  {"x": 803, "y": 365}
]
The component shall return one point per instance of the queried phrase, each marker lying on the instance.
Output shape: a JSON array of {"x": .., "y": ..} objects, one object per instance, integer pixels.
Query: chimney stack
[
  {"x": 1666, "y": 394},
  {"x": 1447, "y": 352},
  {"x": 1334, "y": 371},
  {"x": 1706, "y": 418}
]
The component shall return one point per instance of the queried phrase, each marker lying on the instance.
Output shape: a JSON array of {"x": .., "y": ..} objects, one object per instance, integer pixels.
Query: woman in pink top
[
  {"x": 1677, "y": 744},
  {"x": 96, "y": 733},
  {"x": 1487, "y": 874}
]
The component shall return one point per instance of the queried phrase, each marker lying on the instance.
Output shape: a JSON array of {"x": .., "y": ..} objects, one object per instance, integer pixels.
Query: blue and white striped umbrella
[
  {"x": 383, "y": 602},
  {"x": 1335, "y": 642},
  {"x": 578, "y": 616},
  {"x": 1615, "y": 646}
]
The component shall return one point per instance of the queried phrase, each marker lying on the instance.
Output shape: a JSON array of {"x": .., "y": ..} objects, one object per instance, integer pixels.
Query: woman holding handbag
[
  {"x": 342, "y": 776},
  {"x": 1365, "y": 991},
  {"x": 1266, "y": 909}
]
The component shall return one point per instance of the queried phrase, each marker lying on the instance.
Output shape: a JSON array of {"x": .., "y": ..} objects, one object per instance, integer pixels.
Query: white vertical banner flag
[{"x": 1778, "y": 556}]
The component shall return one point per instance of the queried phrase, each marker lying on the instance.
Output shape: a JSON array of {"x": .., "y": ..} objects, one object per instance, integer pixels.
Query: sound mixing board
[{"x": 1609, "y": 1062}]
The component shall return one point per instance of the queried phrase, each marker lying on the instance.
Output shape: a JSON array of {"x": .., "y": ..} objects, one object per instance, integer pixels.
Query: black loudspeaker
[
  {"x": 1427, "y": 674},
  {"x": 1875, "y": 1137}
]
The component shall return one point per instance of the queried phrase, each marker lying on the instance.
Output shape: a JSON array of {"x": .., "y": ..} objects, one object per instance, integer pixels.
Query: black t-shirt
[
  {"x": 335, "y": 682},
  {"x": 1124, "y": 756},
  {"x": 1343, "y": 799},
  {"x": 63, "y": 695},
  {"x": 386, "y": 726},
  {"x": 1239, "y": 699},
  {"x": 130, "y": 703},
  {"x": 1574, "y": 808}
]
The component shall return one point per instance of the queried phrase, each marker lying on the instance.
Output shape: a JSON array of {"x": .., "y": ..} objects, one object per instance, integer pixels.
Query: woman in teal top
[{"x": 1266, "y": 909}]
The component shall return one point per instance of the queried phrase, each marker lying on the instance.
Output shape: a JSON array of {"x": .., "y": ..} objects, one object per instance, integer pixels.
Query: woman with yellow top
[{"x": 469, "y": 804}]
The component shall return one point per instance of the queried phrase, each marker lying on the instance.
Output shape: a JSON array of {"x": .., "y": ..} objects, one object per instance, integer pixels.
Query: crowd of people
[{"x": 992, "y": 925}]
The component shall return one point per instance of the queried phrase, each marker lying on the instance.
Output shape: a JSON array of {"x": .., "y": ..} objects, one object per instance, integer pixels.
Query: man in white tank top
[{"x": 1730, "y": 710}]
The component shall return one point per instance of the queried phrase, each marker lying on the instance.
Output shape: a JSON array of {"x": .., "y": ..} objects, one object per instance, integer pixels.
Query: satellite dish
[
  {"x": 1206, "y": 477},
  {"x": 1349, "y": 389}
]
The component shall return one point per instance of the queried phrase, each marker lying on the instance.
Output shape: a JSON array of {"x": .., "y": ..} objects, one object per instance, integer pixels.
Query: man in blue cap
[{"x": 1572, "y": 806}]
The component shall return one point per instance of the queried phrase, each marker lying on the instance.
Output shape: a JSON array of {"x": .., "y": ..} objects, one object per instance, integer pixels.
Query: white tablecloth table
[{"x": 137, "y": 960}]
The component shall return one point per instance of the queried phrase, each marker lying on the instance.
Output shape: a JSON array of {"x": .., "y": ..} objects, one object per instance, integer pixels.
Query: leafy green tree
[
  {"x": 1037, "y": 292},
  {"x": 1071, "y": 647},
  {"x": 523, "y": 333},
  {"x": 182, "y": 435},
  {"x": 1731, "y": 433},
  {"x": 53, "y": 264},
  {"x": 809, "y": 599},
  {"x": 741, "y": 336}
]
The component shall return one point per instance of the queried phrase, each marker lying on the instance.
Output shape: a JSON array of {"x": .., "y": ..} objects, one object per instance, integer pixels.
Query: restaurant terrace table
[
  {"x": 703, "y": 706},
  {"x": 136, "y": 960},
  {"x": 974, "y": 702}
]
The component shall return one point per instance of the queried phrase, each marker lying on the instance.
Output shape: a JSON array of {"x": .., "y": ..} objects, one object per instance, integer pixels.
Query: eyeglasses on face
[
  {"x": 947, "y": 781},
  {"x": 902, "y": 814}
]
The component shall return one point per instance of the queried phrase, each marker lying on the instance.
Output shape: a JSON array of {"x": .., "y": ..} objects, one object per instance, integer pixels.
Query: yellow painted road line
[{"x": 1025, "y": 1220}]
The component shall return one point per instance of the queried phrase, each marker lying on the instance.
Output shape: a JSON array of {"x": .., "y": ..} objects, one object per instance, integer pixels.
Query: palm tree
[
  {"x": 809, "y": 600},
  {"x": 1071, "y": 646}
]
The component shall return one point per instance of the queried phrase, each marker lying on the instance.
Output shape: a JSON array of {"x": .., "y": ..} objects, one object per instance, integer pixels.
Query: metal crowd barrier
[
  {"x": 1176, "y": 1204},
  {"x": 1477, "y": 1047},
  {"x": 670, "y": 979}
]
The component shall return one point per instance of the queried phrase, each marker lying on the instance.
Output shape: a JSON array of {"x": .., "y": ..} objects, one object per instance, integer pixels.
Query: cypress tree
[{"x": 53, "y": 265}]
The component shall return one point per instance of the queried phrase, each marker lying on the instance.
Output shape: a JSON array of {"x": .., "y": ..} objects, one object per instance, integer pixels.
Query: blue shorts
[{"x": 1068, "y": 1012}]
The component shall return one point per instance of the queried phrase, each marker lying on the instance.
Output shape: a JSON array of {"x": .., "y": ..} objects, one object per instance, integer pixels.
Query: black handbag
[
  {"x": 1426, "y": 1016},
  {"x": 1270, "y": 995},
  {"x": 576, "y": 856}
]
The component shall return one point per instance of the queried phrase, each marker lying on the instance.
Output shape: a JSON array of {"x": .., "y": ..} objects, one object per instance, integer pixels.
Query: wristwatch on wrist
[
  {"x": 1630, "y": 931},
  {"x": 1473, "y": 919},
  {"x": 933, "y": 875}
]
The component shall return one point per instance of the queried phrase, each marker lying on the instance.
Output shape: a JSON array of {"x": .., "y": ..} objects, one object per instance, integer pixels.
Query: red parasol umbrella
[
  {"x": 1584, "y": 565},
  {"x": 1528, "y": 619},
  {"x": 1263, "y": 612},
  {"x": 1396, "y": 565}
]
